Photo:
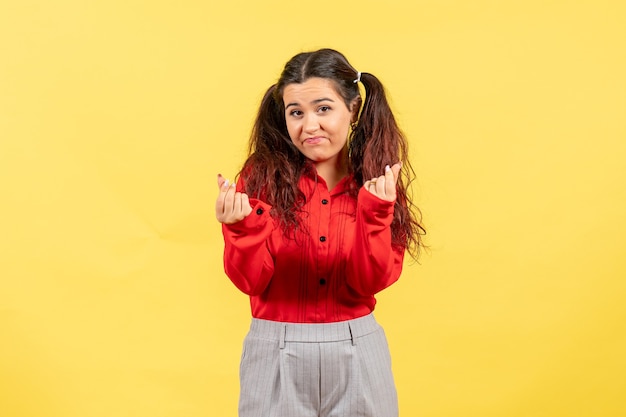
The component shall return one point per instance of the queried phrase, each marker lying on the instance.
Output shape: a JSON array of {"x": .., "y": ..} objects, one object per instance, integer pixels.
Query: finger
[
  {"x": 224, "y": 186},
  {"x": 245, "y": 204},
  {"x": 220, "y": 181},
  {"x": 237, "y": 204},
  {"x": 380, "y": 186},
  {"x": 370, "y": 185},
  {"x": 389, "y": 175},
  {"x": 219, "y": 208},
  {"x": 390, "y": 182},
  {"x": 221, "y": 198},
  {"x": 229, "y": 199}
]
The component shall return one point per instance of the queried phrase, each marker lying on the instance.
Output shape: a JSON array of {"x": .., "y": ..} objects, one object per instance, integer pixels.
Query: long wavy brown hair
[{"x": 274, "y": 165}]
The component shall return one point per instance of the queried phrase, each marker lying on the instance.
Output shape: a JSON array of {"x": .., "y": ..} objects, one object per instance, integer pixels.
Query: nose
[{"x": 310, "y": 123}]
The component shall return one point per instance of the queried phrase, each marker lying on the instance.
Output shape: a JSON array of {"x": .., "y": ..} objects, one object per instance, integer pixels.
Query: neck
[{"x": 334, "y": 170}]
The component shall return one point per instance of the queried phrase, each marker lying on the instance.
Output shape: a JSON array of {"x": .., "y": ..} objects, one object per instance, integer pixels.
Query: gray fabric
[{"x": 317, "y": 370}]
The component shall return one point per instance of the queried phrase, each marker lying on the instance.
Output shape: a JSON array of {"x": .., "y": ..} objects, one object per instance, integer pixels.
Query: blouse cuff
[
  {"x": 374, "y": 208},
  {"x": 255, "y": 221}
]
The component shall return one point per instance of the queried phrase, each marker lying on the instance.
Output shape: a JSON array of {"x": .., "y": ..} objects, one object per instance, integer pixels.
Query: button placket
[{"x": 323, "y": 247}]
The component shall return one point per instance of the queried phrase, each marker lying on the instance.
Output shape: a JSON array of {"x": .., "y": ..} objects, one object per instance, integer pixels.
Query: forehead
[{"x": 311, "y": 89}]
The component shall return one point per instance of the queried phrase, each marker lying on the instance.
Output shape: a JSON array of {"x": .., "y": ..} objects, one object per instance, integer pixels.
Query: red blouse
[{"x": 330, "y": 273}]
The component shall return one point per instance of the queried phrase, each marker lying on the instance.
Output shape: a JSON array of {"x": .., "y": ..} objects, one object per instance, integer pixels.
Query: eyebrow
[{"x": 319, "y": 100}]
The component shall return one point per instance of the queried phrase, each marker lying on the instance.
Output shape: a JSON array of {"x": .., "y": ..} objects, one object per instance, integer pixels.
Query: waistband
[{"x": 313, "y": 332}]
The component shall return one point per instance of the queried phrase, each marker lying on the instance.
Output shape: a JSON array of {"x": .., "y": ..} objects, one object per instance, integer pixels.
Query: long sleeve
[
  {"x": 247, "y": 260},
  {"x": 327, "y": 269},
  {"x": 373, "y": 264}
]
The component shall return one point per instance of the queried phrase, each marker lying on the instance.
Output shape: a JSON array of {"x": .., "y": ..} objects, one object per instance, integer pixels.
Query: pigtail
[
  {"x": 378, "y": 141},
  {"x": 274, "y": 165}
]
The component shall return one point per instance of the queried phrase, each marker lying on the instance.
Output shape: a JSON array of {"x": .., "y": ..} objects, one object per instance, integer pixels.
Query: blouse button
[
  {"x": 259, "y": 211},
  {"x": 324, "y": 201},
  {"x": 322, "y": 281},
  {"x": 322, "y": 238}
]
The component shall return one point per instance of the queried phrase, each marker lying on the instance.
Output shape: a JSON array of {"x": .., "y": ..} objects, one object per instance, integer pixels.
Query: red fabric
[{"x": 330, "y": 273}]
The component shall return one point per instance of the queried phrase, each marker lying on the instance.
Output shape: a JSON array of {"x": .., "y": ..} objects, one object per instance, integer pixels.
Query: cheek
[
  {"x": 341, "y": 127},
  {"x": 293, "y": 130}
]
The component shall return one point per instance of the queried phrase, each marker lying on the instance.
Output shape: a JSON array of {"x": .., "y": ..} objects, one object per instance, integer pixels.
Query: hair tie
[{"x": 358, "y": 77}]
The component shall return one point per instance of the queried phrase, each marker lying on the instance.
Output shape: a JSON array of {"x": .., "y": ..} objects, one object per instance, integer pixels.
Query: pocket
[
  {"x": 377, "y": 382},
  {"x": 258, "y": 358},
  {"x": 258, "y": 377}
]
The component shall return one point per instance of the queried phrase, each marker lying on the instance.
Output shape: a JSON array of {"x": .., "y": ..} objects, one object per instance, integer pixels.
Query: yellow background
[{"x": 115, "y": 117}]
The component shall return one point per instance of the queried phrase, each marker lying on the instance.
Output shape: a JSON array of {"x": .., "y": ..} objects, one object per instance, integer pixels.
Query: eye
[
  {"x": 295, "y": 113},
  {"x": 324, "y": 109}
]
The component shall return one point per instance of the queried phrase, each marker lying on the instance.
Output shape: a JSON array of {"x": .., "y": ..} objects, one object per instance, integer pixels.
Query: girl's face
[{"x": 318, "y": 120}]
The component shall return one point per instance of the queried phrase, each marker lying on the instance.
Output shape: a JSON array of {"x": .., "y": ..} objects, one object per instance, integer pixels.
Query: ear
[{"x": 355, "y": 107}]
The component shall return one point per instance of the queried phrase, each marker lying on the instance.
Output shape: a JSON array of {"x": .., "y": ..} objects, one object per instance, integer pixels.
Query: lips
[{"x": 313, "y": 140}]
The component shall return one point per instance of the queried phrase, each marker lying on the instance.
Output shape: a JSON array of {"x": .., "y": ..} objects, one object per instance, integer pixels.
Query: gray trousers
[{"x": 317, "y": 370}]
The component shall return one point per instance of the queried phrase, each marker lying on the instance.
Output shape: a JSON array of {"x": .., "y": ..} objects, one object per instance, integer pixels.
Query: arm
[
  {"x": 246, "y": 226},
  {"x": 374, "y": 264}
]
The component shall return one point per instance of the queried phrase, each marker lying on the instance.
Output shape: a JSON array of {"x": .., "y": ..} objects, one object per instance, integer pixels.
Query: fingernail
[
  {"x": 226, "y": 183},
  {"x": 387, "y": 168}
]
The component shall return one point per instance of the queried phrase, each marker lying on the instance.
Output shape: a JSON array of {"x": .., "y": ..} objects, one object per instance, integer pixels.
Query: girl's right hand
[{"x": 231, "y": 206}]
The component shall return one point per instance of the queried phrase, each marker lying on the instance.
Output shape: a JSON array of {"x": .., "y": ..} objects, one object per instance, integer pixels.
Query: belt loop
[
  {"x": 283, "y": 333},
  {"x": 351, "y": 335}
]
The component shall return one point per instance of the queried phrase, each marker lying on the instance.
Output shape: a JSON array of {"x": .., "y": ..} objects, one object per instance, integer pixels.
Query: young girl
[{"x": 316, "y": 225}]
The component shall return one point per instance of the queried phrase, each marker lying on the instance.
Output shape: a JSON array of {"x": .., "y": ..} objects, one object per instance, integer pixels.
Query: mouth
[{"x": 313, "y": 140}]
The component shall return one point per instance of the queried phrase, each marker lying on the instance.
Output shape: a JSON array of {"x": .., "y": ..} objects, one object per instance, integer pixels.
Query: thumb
[{"x": 396, "y": 170}]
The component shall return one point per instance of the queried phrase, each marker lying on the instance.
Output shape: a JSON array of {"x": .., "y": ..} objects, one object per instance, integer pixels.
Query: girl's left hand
[{"x": 384, "y": 187}]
